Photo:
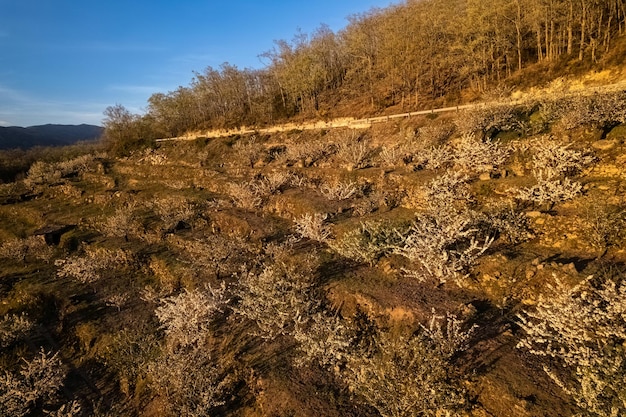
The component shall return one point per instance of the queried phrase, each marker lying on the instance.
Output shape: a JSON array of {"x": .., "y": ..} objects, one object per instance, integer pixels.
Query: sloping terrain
[{"x": 464, "y": 264}]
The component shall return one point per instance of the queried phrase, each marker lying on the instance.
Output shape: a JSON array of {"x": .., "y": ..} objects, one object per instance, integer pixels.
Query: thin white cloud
[
  {"x": 108, "y": 47},
  {"x": 136, "y": 89},
  {"x": 76, "y": 117},
  {"x": 22, "y": 109},
  {"x": 4, "y": 123},
  {"x": 196, "y": 60},
  {"x": 10, "y": 94},
  {"x": 45, "y": 115}
]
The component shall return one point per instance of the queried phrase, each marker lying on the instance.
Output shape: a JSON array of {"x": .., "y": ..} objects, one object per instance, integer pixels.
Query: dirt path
[
  {"x": 331, "y": 124},
  {"x": 365, "y": 123}
]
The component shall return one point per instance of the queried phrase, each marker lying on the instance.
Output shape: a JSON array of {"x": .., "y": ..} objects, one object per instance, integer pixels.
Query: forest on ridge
[{"x": 412, "y": 55}]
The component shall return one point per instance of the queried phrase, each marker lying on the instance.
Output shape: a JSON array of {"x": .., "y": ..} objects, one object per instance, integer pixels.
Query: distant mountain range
[{"x": 46, "y": 135}]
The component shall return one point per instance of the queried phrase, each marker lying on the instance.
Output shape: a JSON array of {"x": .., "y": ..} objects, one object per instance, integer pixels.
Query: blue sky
[{"x": 65, "y": 61}]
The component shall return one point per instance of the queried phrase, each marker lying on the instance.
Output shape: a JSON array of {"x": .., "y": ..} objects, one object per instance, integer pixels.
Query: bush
[
  {"x": 186, "y": 318},
  {"x": 89, "y": 267},
  {"x": 409, "y": 376},
  {"x": 245, "y": 195},
  {"x": 512, "y": 226},
  {"x": 192, "y": 384},
  {"x": 601, "y": 110},
  {"x": 277, "y": 298},
  {"x": 434, "y": 158},
  {"x": 490, "y": 119},
  {"x": 354, "y": 153},
  {"x": 14, "y": 327},
  {"x": 445, "y": 244},
  {"x": 210, "y": 256},
  {"x": 253, "y": 194},
  {"x": 41, "y": 173},
  {"x": 475, "y": 156},
  {"x": 123, "y": 223},
  {"x": 128, "y": 353},
  {"x": 582, "y": 331},
  {"x": 447, "y": 192},
  {"x": 271, "y": 183},
  {"x": 400, "y": 376},
  {"x": 548, "y": 192},
  {"x": 189, "y": 378},
  {"x": 173, "y": 211},
  {"x": 605, "y": 224},
  {"x": 468, "y": 154},
  {"x": 367, "y": 243},
  {"x": 19, "y": 249},
  {"x": 80, "y": 164},
  {"x": 552, "y": 163},
  {"x": 392, "y": 156},
  {"x": 37, "y": 382},
  {"x": 307, "y": 153},
  {"x": 249, "y": 152},
  {"x": 323, "y": 339},
  {"x": 434, "y": 134},
  {"x": 339, "y": 190},
  {"x": 313, "y": 226},
  {"x": 553, "y": 159}
]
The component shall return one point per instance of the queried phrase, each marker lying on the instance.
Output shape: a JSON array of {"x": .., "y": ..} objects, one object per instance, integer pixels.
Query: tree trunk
[
  {"x": 518, "y": 32},
  {"x": 619, "y": 15},
  {"x": 553, "y": 46},
  {"x": 583, "y": 26},
  {"x": 570, "y": 28},
  {"x": 539, "y": 49},
  {"x": 607, "y": 34},
  {"x": 546, "y": 31}
]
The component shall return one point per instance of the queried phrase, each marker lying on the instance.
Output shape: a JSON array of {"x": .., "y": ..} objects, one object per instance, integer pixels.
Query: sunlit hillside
[
  {"x": 466, "y": 263},
  {"x": 411, "y": 56}
]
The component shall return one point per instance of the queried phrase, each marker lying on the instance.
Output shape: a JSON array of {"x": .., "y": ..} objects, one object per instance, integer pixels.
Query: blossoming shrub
[{"x": 581, "y": 330}]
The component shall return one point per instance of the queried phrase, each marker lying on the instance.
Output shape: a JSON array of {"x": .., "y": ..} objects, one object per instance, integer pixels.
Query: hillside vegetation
[
  {"x": 470, "y": 264},
  {"x": 418, "y": 54}
]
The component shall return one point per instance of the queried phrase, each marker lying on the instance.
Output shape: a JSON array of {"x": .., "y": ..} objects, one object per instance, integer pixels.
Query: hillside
[
  {"x": 47, "y": 135},
  {"x": 292, "y": 258},
  {"x": 411, "y": 56},
  {"x": 465, "y": 264}
]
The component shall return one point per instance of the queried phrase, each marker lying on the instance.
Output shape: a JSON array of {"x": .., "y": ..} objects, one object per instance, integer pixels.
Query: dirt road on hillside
[
  {"x": 331, "y": 124},
  {"x": 365, "y": 123}
]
